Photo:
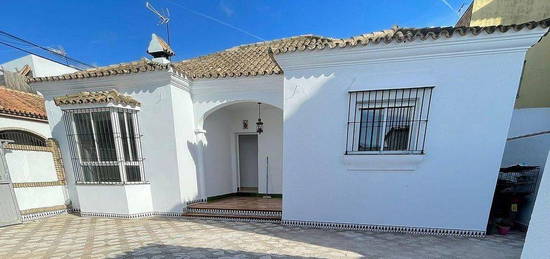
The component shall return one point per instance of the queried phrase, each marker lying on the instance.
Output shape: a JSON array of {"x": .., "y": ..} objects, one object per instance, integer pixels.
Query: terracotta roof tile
[
  {"x": 257, "y": 59},
  {"x": 118, "y": 69},
  {"x": 246, "y": 60},
  {"x": 398, "y": 34},
  {"x": 112, "y": 96},
  {"x": 22, "y": 104}
]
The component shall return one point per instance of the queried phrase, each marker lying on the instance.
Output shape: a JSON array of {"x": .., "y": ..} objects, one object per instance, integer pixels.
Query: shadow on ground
[
  {"x": 164, "y": 251},
  {"x": 380, "y": 244}
]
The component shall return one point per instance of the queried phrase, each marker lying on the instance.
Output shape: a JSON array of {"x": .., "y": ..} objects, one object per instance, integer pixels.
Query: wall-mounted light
[{"x": 259, "y": 123}]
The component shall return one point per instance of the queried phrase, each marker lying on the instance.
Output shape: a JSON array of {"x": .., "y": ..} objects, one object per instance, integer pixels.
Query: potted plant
[{"x": 504, "y": 227}]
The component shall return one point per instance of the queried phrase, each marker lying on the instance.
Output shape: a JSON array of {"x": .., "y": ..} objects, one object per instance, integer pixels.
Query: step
[
  {"x": 231, "y": 216},
  {"x": 236, "y": 212}
]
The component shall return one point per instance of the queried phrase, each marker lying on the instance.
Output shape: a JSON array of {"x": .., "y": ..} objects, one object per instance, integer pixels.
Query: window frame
[
  {"x": 383, "y": 126},
  {"x": 391, "y": 98},
  {"x": 79, "y": 163}
]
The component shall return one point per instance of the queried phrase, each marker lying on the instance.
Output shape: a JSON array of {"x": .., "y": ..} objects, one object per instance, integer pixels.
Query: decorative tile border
[
  {"x": 53, "y": 211},
  {"x": 38, "y": 184},
  {"x": 226, "y": 212},
  {"x": 43, "y": 209},
  {"x": 27, "y": 147},
  {"x": 222, "y": 218},
  {"x": 199, "y": 200},
  {"x": 381, "y": 228},
  {"x": 39, "y": 213},
  {"x": 131, "y": 216}
]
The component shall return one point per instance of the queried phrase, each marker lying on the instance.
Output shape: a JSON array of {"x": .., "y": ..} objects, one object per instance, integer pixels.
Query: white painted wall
[
  {"x": 537, "y": 240},
  {"x": 157, "y": 124},
  {"x": 158, "y": 145},
  {"x": 57, "y": 130},
  {"x": 218, "y": 154},
  {"x": 102, "y": 198},
  {"x": 222, "y": 127},
  {"x": 117, "y": 199},
  {"x": 139, "y": 199},
  {"x": 530, "y": 150},
  {"x": 210, "y": 95},
  {"x": 40, "y": 66},
  {"x": 475, "y": 85},
  {"x": 40, "y": 128},
  {"x": 31, "y": 166},
  {"x": 270, "y": 144},
  {"x": 185, "y": 141},
  {"x": 39, "y": 197}
]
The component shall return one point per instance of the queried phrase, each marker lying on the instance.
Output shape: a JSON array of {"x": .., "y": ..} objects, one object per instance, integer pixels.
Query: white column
[{"x": 201, "y": 142}]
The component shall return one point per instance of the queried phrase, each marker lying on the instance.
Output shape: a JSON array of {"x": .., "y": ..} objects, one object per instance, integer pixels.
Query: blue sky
[{"x": 104, "y": 32}]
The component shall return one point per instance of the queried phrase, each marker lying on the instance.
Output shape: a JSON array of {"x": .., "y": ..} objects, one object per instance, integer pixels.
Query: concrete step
[
  {"x": 231, "y": 216},
  {"x": 236, "y": 212}
]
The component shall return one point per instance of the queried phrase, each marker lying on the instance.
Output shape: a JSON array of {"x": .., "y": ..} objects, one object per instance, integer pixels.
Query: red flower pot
[{"x": 503, "y": 230}]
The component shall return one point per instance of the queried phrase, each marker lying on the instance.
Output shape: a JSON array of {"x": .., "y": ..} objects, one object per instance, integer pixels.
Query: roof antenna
[{"x": 164, "y": 18}]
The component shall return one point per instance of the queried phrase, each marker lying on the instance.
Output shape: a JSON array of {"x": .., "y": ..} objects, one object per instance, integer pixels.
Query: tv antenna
[{"x": 164, "y": 18}]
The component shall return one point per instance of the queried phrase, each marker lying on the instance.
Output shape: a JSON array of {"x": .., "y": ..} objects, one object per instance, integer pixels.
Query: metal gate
[{"x": 9, "y": 211}]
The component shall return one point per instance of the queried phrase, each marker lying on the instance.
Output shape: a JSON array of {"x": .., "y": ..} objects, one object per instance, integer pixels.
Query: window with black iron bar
[
  {"x": 105, "y": 145},
  {"x": 21, "y": 137},
  {"x": 392, "y": 121}
]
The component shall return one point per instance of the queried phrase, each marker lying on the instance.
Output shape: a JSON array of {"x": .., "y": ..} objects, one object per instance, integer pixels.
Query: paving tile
[{"x": 69, "y": 236}]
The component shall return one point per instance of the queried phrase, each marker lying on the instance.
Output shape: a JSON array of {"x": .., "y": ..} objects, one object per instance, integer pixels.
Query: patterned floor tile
[{"x": 69, "y": 236}]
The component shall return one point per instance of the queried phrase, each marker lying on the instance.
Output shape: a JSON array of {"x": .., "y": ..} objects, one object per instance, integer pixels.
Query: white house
[{"x": 399, "y": 130}]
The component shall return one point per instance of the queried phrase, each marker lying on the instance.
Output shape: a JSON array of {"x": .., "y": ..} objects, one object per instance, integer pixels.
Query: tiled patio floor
[{"x": 73, "y": 237}]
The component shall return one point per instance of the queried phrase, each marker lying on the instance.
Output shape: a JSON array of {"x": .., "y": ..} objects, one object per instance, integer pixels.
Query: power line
[
  {"x": 30, "y": 52},
  {"x": 203, "y": 15},
  {"x": 44, "y": 48}
]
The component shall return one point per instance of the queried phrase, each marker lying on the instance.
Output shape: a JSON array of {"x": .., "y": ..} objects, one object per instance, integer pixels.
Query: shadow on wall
[
  {"x": 161, "y": 251},
  {"x": 193, "y": 150}
]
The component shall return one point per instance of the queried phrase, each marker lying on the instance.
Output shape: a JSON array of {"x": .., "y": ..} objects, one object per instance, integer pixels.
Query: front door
[
  {"x": 9, "y": 211},
  {"x": 248, "y": 163}
]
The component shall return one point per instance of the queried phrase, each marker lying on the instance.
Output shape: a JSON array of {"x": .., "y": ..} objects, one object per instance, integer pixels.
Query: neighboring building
[
  {"x": 529, "y": 135},
  {"x": 38, "y": 66},
  {"x": 534, "y": 89},
  {"x": 378, "y": 131},
  {"x": 31, "y": 158}
]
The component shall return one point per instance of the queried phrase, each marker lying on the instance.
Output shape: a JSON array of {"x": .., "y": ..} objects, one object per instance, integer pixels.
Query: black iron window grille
[
  {"x": 21, "y": 137},
  {"x": 390, "y": 121},
  {"x": 105, "y": 145}
]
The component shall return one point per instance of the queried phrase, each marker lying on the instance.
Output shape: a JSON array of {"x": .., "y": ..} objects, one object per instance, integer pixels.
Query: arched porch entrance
[
  {"x": 236, "y": 158},
  {"x": 240, "y": 167}
]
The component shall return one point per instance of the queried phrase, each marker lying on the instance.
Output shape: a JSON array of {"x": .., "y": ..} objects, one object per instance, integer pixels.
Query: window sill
[
  {"x": 383, "y": 162},
  {"x": 111, "y": 183}
]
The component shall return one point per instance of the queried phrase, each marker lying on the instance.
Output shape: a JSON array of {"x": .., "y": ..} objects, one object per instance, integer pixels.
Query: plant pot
[{"x": 503, "y": 230}]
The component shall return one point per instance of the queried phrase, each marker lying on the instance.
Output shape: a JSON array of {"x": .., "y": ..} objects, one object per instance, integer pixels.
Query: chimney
[{"x": 160, "y": 50}]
